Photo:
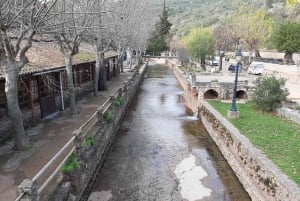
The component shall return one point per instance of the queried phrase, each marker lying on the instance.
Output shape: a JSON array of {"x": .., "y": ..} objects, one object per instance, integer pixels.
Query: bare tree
[
  {"x": 19, "y": 22},
  {"x": 71, "y": 19},
  {"x": 130, "y": 27}
]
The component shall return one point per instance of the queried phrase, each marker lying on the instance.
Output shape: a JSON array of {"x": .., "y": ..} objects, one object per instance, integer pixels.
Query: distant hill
[{"x": 184, "y": 14}]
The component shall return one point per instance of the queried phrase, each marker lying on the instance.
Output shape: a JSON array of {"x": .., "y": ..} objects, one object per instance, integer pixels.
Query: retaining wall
[{"x": 260, "y": 177}]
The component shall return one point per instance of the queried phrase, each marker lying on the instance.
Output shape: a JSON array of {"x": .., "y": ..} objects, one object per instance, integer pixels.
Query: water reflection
[{"x": 156, "y": 138}]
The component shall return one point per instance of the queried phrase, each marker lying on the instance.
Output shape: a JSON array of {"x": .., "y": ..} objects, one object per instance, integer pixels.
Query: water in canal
[{"x": 162, "y": 154}]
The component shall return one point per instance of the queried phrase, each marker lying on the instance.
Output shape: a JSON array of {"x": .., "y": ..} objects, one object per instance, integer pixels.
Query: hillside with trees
[
  {"x": 249, "y": 24},
  {"x": 190, "y": 13}
]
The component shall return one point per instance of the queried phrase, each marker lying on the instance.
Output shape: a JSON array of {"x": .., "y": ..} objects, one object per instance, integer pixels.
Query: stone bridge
[{"x": 218, "y": 86}]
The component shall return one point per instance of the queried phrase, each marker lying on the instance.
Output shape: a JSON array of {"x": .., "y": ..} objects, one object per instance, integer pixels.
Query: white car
[{"x": 256, "y": 69}]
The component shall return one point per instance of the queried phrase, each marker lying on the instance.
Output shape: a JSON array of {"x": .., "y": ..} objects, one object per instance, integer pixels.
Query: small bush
[
  {"x": 88, "y": 141},
  {"x": 269, "y": 94},
  {"x": 107, "y": 116},
  {"x": 118, "y": 101},
  {"x": 70, "y": 165}
]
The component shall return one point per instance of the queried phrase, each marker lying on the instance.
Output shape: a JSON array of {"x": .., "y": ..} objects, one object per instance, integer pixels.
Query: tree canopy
[
  {"x": 158, "y": 41},
  {"x": 252, "y": 27},
  {"x": 200, "y": 43},
  {"x": 287, "y": 39}
]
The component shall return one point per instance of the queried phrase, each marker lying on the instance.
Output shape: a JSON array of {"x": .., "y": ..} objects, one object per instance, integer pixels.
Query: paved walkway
[{"x": 46, "y": 139}]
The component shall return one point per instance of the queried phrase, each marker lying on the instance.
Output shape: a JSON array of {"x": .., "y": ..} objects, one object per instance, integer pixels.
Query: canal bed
[{"x": 161, "y": 153}]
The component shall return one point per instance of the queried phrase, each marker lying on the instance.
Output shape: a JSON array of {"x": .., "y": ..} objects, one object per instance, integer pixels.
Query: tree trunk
[
  {"x": 138, "y": 58},
  {"x": 102, "y": 72},
  {"x": 250, "y": 57},
  {"x": 129, "y": 57},
  {"x": 257, "y": 54},
  {"x": 120, "y": 59},
  {"x": 120, "y": 62},
  {"x": 288, "y": 58},
  {"x": 202, "y": 62},
  {"x": 14, "y": 112},
  {"x": 97, "y": 71},
  {"x": 70, "y": 83}
]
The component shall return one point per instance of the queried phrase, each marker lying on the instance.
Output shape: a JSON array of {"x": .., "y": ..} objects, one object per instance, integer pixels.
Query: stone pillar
[
  {"x": 30, "y": 190},
  {"x": 120, "y": 92},
  {"x": 100, "y": 116},
  {"x": 233, "y": 114}
]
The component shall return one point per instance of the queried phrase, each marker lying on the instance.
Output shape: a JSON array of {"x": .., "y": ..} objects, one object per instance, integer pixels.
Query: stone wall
[
  {"x": 77, "y": 184},
  {"x": 260, "y": 177},
  {"x": 290, "y": 114}
]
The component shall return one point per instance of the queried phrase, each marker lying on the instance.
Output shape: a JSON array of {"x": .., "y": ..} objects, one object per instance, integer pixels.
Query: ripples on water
[{"x": 156, "y": 145}]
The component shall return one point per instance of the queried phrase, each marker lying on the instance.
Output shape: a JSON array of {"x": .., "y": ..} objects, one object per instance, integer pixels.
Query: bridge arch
[
  {"x": 241, "y": 94},
  {"x": 211, "y": 94}
]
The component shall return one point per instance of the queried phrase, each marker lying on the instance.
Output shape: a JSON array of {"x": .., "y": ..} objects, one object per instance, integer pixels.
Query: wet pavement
[
  {"x": 161, "y": 153},
  {"x": 47, "y": 138}
]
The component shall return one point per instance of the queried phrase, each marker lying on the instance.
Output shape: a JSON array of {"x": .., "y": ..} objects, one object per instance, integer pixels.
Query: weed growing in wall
[
  {"x": 88, "y": 141},
  {"x": 118, "y": 101},
  {"x": 70, "y": 165},
  {"x": 107, "y": 116}
]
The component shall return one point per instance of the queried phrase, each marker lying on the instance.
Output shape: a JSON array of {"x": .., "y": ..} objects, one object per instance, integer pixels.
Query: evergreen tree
[{"x": 158, "y": 43}]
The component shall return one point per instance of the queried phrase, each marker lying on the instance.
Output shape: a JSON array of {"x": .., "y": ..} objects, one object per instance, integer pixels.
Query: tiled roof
[{"x": 44, "y": 56}]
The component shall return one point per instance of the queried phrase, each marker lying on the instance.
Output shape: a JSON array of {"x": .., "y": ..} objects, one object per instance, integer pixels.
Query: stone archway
[
  {"x": 241, "y": 94},
  {"x": 211, "y": 94}
]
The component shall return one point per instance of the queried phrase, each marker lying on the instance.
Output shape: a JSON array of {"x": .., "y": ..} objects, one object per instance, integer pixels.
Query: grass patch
[
  {"x": 118, "y": 101},
  {"x": 108, "y": 116},
  {"x": 277, "y": 137},
  {"x": 70, "y": 165},
  {"x": 88, "y": 141}
]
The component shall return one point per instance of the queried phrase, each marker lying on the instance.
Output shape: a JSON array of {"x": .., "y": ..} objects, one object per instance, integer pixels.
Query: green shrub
[
  {"x": 107, "y": 116},
  {"x": 118, "y": 101},
  {"x": 88, "y": 141},
  {"x": 269, "y": 94},
  {"x": 70, "y": 165}
]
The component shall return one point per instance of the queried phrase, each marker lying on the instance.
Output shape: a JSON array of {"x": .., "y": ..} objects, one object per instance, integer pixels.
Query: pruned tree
[
  {"x": 99, "y": 35},
  {"x": 130, "y": 27},
  {"x": 71, "y": 20},
  {"x": 19, "y": 22}
]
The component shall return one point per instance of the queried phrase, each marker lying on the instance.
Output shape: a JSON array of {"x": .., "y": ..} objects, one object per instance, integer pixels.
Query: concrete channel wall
[
  {"x": 51, "y": 184},
  {"x": 260, "y": 177}
]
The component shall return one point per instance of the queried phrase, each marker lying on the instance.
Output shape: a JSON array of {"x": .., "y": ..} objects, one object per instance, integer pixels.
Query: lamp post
[{"x": 233, "y": 113}]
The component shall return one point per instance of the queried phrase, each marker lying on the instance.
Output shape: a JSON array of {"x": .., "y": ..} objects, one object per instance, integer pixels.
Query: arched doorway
[
  {"x": 211, "y": 94},
  {"x": 241, "y": 94}
]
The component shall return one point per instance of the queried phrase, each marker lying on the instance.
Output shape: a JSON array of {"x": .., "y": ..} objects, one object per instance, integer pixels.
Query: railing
[
  {"x": 44, "y": 177},
  {"x": 42, "y": 181}
]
